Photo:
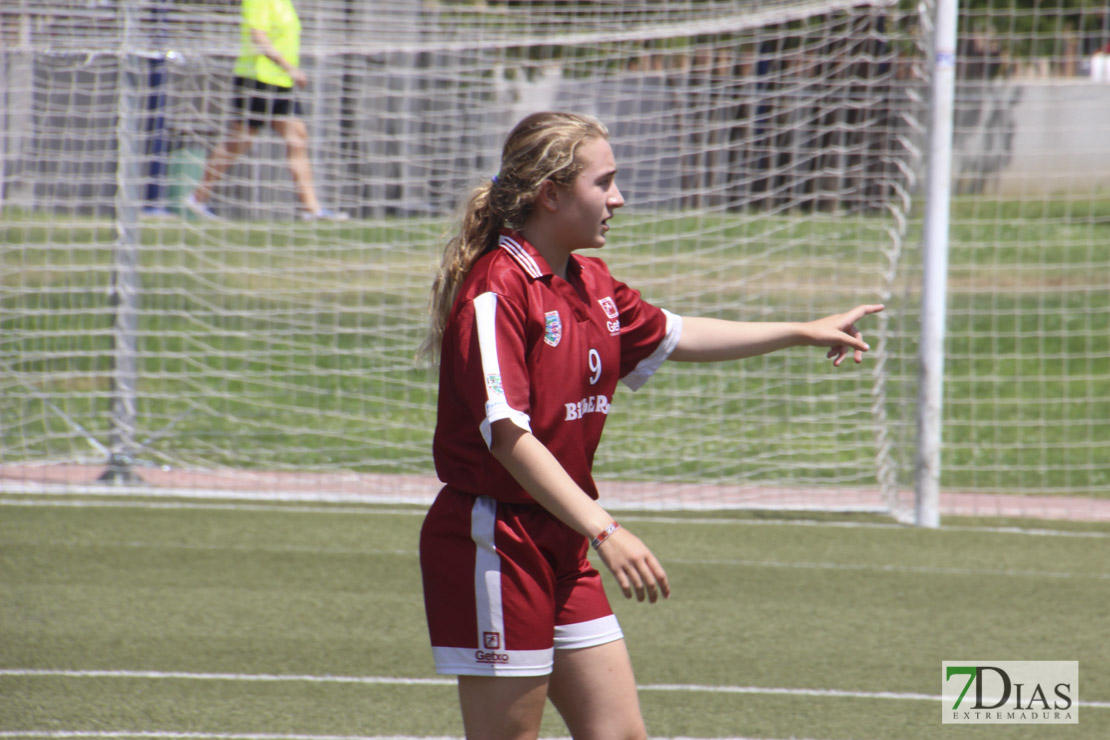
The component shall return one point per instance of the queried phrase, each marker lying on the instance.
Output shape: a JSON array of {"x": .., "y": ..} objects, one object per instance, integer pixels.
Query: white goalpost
[
  {"x": 934, "y": 285},
  {"x": 773, "y": 158}
]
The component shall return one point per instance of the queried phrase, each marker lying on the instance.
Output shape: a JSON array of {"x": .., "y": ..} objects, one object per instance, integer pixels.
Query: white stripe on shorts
[
  {"x": 587, "y": 634},
  {"x": 453, "y": 661},
  {"x": 487, "y": 573},
  {"x": 468, "y": 662}
]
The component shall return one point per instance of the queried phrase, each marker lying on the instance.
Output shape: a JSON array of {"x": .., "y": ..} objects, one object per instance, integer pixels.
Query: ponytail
[{"x": 478, "y": 233}]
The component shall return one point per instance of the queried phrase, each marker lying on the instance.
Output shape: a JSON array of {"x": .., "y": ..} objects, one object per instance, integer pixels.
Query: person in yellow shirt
[{"x": 266, "y": 74}]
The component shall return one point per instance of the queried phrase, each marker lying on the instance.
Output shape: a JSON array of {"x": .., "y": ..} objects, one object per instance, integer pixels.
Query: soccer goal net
[{"x": 771, "y": 156}]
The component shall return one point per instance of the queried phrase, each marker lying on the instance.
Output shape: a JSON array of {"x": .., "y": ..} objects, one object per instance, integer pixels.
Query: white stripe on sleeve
[
  {"x": 647, "y": 366},
  {"x": 497, "y": 405}
]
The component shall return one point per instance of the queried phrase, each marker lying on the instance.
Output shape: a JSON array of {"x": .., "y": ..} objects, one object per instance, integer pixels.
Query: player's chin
[{"x": 596, "y": 242}]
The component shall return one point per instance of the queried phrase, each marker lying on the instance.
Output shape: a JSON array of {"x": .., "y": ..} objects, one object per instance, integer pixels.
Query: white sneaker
[
  {"x": 324, "y": 214},
  {"x": 198, "y": 209}
]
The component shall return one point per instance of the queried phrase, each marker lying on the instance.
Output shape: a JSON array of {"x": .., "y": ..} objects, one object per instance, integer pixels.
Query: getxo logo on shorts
[{"x": 491, "y": 643}]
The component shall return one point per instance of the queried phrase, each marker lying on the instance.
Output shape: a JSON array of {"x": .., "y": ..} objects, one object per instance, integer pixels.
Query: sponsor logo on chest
[
  {"x": 590, "y": 405},
  {"x": 609, "y": 306}
]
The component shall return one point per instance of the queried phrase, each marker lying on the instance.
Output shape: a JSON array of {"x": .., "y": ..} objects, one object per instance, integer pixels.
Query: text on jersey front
[{"x": 590, "y": 405}]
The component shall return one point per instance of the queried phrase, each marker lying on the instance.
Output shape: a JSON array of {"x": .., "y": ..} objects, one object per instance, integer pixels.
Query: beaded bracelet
[{"x": 605, "y": 534}]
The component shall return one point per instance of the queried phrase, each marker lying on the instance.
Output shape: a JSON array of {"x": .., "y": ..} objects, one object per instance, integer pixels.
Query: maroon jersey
[{"x": 525, "y": 345}]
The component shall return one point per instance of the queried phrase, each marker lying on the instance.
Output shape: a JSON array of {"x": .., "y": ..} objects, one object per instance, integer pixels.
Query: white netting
[{"x": 769, "y": 152}]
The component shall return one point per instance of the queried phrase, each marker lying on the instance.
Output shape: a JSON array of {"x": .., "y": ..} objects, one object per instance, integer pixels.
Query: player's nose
[{"x": 616, "y": 199}]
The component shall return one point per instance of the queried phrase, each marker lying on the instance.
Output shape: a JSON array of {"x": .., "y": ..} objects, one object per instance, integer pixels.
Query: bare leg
[
  {"x": 502, "y": 708},
  {"x": 594, "y": 690},
  {"x": 295, "y": 134},
  {"x": 239, "y": 137}
]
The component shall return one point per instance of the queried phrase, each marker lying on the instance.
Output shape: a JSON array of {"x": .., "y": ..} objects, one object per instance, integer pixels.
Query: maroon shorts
[{"x": 505, "y": 585}]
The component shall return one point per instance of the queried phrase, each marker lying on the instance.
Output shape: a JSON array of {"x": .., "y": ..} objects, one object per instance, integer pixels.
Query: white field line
[
  {"x": 281, "y": 549},
  {"x": 378, "y": 510},
  {"x": 79, "y": 734},
  {"x": 726, "y": 562},
  {"x": 401, "y": 681},
  {"x": 207, "y": 506},
  {"x": 1097, "y": 534},
  {"x": 75, "y": 734},
  {"x": 405, "y": 681},
  {"x": 239, "y": 677},
  {"x": 879, "y": 568}
]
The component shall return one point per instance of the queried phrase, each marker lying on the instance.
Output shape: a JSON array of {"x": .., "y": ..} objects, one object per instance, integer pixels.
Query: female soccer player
[{"x": 532, "y": 337}]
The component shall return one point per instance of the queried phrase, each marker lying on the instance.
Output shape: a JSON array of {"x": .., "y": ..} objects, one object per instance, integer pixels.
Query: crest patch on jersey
[
  {"x": 493, "y": 387},
  {"x": 552, "y": 328}
]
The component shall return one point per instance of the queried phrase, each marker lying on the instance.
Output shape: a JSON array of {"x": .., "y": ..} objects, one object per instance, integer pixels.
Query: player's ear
[{"x": 547, "y": 197}]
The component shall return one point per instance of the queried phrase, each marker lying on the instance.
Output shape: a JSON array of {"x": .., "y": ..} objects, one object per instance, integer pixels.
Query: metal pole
[
  {"x": 935, "y": 280},
  {"x": 154, "y": 129},
  {"x": 125, "y": 259}
]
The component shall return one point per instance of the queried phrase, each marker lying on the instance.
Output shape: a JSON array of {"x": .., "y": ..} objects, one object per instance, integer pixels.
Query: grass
[
  {"x": 293, "y": 347},
  {"x": 760, "y": 603}
]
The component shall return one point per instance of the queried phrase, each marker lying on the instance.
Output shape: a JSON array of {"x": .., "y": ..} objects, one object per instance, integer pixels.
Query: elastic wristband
[{"x": 605, "y": 534}]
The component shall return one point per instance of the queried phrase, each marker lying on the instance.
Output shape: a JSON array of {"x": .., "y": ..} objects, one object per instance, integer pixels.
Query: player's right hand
[{"x": 635, "y": 568}]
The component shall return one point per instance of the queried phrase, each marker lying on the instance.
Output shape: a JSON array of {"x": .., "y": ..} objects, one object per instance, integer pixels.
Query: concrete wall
[{"x": 1033, "y": 138}]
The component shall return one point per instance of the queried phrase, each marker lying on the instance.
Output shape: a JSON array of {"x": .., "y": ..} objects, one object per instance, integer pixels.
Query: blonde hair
[{"x": 543, "y": 146}]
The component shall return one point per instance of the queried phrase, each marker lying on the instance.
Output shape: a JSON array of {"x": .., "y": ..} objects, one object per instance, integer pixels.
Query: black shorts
[{"x": 258, "y": 103}]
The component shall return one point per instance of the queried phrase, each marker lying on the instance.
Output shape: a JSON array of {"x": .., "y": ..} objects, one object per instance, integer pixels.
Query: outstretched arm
[
  {"x": 712, "y": 340},
  {"x": 540, "y": 473}
]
